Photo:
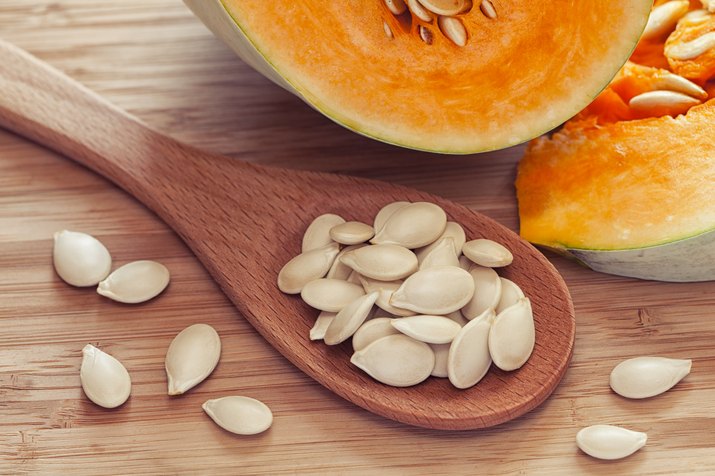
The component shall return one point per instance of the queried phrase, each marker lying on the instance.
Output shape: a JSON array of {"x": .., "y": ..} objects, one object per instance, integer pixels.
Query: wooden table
[{"x": 154, "y": 59}]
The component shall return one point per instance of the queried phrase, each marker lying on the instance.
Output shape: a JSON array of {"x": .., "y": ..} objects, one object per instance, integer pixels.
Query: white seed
[
  {"x": 441, "y": 255},
  {"x": 80, "y": 259},
  {"x": 487, "y": 8},
  {"x": 445, "y": 7},
  {"x": 438, "y": 291},
  {"x": 428, "y": 329},
  {"x": 396, "y": 360},
  {"x": 412, "y": 226},
  {"x": 318, "y": 233},
  {"x": 340, "y": 270},
  {"x": 386, "y": 289},
  {"x": 487, "y": 291},
  {"x": 104, "y": 379},
  {"x": 487, "y": 253},
  {"x": 419, "y": 11},
  {"x": 674, "y": 82},
  {"x": 609, "y": 442},
  {"x": 653, "y": 102},
  {"x": 306, "y": 267},
  {"x": 317, "y": 332},
  {"x": 664, "y": 17},
  {"x": 469, "y": 358},
  {"x": 240, "y": 415},
  {"x": 694, "y": 17},
  {"x": 372, "y": 330},
  {"x": 644, "y": 377},
  {"x": 512, "y": 336},
  {"x": 453, "y": 29},
  {"x": 192, "y": 356},
  {"x": 388, "y": 30},
  {"x": 441, "y": 355},
  {"x": 691, "y": 49},
  {"x": 510, "y": 294},
  {"x": 457, "y": 317},
  {"x": 385, "y": 213},
  {"x": 451, "y": 230},
  {"x": 135, "y": 282},
  {"x": 349, "y": 319},
  {"x": 330, "y": 294},
  {"x": 351, "y": 233},
  {"x": 383, "y": 262},
  {"x": 397, "y": 7}
]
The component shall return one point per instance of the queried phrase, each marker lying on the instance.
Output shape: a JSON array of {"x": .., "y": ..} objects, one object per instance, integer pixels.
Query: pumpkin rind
[{"x": 520, "y": 74}]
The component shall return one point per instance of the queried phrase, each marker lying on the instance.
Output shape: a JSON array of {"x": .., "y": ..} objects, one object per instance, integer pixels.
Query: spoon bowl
[{"x": 244, "y": 222}]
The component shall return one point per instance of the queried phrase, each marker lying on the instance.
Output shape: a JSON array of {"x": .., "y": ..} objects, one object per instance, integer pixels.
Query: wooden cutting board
[{"x": 154, "y": 59}]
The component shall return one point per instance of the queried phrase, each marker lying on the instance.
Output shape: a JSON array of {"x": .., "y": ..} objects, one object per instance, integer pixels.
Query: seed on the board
[
  {"x": 240, "y": 415},
  {"x": 105, "y": 380},
  {"x": 609, "y": 442},
  {"x": 135, "y": 282},
  {"x": 192, "y": 356},
  {"x": 80, "y": 259},
  {"x": 644, "y": 377}
]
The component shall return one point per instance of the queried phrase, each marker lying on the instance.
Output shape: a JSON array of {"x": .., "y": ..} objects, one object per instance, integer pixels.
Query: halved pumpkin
[{"x": 456, "y": 79}]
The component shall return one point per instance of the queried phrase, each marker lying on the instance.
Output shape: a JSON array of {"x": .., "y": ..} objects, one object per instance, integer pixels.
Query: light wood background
[{"x": 154, "y": 59}]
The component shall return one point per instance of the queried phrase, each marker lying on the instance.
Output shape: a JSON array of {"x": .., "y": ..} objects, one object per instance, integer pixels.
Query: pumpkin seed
[
  {"x": 674, "y": 82},
  {"x": 451, "y": 230},
  {"x": 610, "y": 442},
  {"x": 340, "y": 270},
  {"x": 372, "y": 330},
  {"x": 193, "y": 354},
  {"x": 349, "y": 319},
  {"x": 644, "y": 377},
  {"x": 438, "y": 291},
  {"x": 663, "y": 18},
  {"x": 487, "y": 253},
  {"x": 691, "y": 49},
  {"x": 397, "y": 7},
  {"x": 425, "y": 34},
  {"x": 653, "y": 102},
  {"x": 510, "y": 294},
  {"x": 694, "y": 17},
  {"x": 386, "y": 289},
  {"x": 441, "y": 355},
  {"x": 388, "y": 30},
  {"x": 419, "y": 11},
  {"x": 453, "y": 29},
  {"x": 306, "y": 267},
  {"x": 317, "y": 235},
  {"x": 330, "y": 294},
  {"x": 385, "y": 213},
  {"x": 105, "y": 380},
  {"x": 351, "y": 233},
  {"x": 135, "y": 282},
  {"x": 396, "y": 360},
  {"x": 512, "y": 336},
  {"x": 317, "y": 332},
  {"x": 80, "y": 259},
  {"x": 240, "y": 415},
  {"x": 445, "y": 7},
  {"x": 412, "y": 226},
  {"x": 487, "y": 8},
  {"x": 469, "y": 359},
  {"x": 428, "y": 329},
  {"x": 383, "y": 262},
  {"x": 441, "y": 255},
  {"x": 487, "y": 291}
]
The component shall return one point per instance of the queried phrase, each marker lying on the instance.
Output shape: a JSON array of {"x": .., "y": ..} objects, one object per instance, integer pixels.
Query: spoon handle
[{"x": 41, "y": 103}]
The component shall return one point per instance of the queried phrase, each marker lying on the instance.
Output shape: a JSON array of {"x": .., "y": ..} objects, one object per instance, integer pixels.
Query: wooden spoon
[{"x": 244, "y": 222}]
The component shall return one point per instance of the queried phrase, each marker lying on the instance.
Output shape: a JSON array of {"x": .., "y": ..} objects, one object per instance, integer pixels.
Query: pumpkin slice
[
  {"x": 634, "y": 198},
  {"x": 453, "y": 76}
]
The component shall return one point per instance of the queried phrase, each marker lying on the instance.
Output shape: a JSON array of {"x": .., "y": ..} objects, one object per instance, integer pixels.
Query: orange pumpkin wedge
[{"x": 452, "y": 76}]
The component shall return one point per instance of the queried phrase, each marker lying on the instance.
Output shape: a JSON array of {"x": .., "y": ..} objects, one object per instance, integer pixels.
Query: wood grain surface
[{"x": 155, "y": 60}]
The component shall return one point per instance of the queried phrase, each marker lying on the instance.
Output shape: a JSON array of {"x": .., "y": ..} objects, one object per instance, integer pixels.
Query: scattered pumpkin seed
[
  {"x": 351, "y": 233},
  {"x": 80, "y": 259},
  {"x": 469, "y": 358},
  {"x": 105, "y": 380},
  {"x": 330, "y": 295},
  {"x": 239, "y": 415},
  {"x": 644, "y": 377},
  {"x": 396, "y": 360},
  {"x": 487, "y": 253},
  {"x": 307, "y": 267},
  {"x": 349, "y": 319},
  {"x": 512, "y": 336},
  {"x": 192, "y": 355},
  {"x": 610, "y": 442},
  {"x": 372, "y": 330},
  {"x": 318, "y": 233},
  {"x": 437, "y": 291},
  {"x": 135, "y": 282},
  {"x": 383, "y": 262}
]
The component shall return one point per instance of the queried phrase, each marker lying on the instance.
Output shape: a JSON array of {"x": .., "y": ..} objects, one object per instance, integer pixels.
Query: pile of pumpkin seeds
[{"x": 418, "y": 300}]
